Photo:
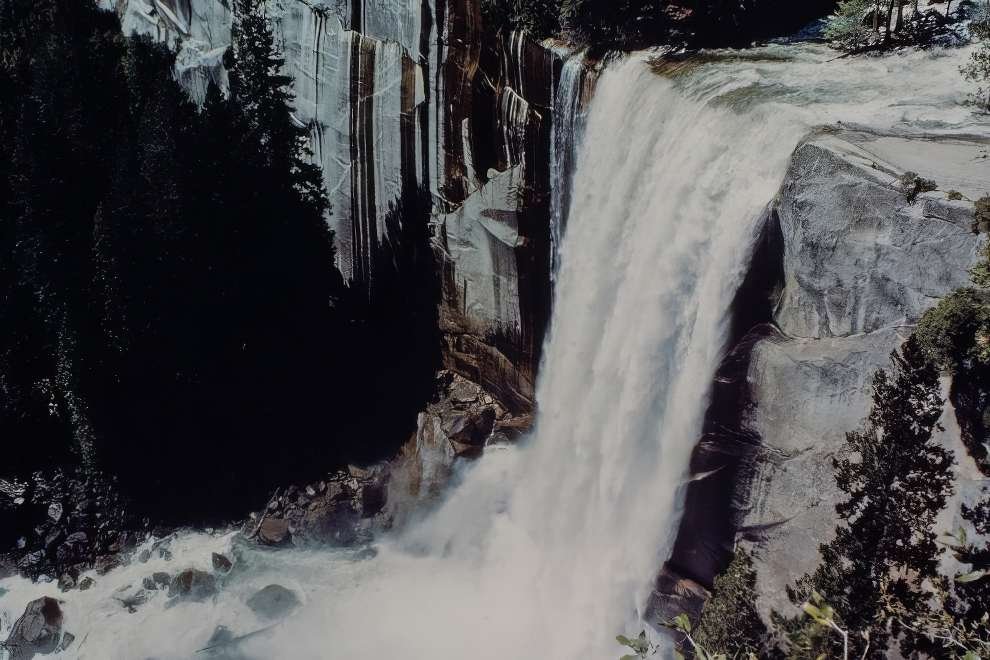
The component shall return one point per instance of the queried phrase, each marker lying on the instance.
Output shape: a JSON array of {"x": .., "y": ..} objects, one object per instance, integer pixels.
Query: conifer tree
[{"x": 896, "y": 478}]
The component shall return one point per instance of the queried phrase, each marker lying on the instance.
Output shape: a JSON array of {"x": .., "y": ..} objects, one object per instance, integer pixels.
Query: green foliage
[
  {"x": 981, "y": 217},
  {"x": 977, "y": 71},
  {"x": 896, "y": 479},
  {"x": 847, "y": 28},
  {"x": 539, "y": 18},
  {"x": 914, "y": 185},
  {"x": 612, "y": 21},
  {"x": 979, "y": 25},
  {"x": 954, "y": 333},
  {"x": 967, "y": 603},
  {"x": 818, "y": 631},
  {"x": 729, "y": 621},
  {"x": 640, "y": 646}
]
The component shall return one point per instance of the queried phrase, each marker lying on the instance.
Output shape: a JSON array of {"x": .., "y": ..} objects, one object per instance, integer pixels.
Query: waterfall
[
  {"x": 567, "y": 129},
  {"x": 548, "y": 549}
]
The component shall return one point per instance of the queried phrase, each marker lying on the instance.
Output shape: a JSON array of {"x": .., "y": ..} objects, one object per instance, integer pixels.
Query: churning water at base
[{"x": 549, "y": 549}]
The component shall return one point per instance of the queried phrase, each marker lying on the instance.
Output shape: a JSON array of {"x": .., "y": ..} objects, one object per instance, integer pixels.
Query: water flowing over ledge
[{"x": 548, "y": 550}]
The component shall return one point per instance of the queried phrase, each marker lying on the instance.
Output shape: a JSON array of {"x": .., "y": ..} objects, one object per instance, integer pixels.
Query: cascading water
[
  {"x": 548, "y": 550},
  {"x": 568, "y": 127}
]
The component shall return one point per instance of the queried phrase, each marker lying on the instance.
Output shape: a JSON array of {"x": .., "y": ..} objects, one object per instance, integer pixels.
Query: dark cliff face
[
  {"x": 495, "y": 308},
  {"x": 724, "y": 456},
  {"x": 432, "y": 131}
]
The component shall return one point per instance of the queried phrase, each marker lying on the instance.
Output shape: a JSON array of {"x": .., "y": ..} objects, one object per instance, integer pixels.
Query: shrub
[
  {"x": 847, "y": 28},
  {"x": 896, "y": 478},
  {"x": 982, "y": 215},
  {"x": 979, "y": 25},
  {"x": 729, "y": 621},
  {"x": 914, "y": 185},
  {"x": 954, "y": 333},
  {"x": 977, "y": 70}
]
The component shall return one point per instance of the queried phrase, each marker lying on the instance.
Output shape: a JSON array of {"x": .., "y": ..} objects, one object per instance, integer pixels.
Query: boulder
[
  {"x": 856, "y": 258},
  {"x": 470, "y": 428},
  {"x": 864, "y": 258},
  {"x": 273, "y": 602},
  {"x": 107, "y": 563},
  {"x": 193, "y": 585},
  {"x": 273, "y": 531},
  {"x": 67, "y": 582},
  {"x": 221, "y": 564},
  {"x": 157, "y": 580},
  {"x": 38, "y": 631}
]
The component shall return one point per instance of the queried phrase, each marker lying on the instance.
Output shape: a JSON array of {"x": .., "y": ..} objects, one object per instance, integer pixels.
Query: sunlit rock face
[
  {"x": 847, "y": 266},
  {"x": 862, "y": 263},
  {"x": 401, "y": 97}
]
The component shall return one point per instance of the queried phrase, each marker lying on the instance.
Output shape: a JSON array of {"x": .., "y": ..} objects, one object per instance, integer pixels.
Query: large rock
[
  {"x": 859, "y": 256},
  {"x": 273, "y": 602},
  {"x": 38, "y": 631},
  {"x": 193, "y": 585},
  {"x": 858, "y": 263},
  {"x": 862, "y": 263}
]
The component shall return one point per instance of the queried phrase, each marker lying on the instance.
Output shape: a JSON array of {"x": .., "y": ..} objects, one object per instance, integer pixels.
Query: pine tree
[
  {"x": 729, "y": 621},
  {"x": 896, "y": 479}
]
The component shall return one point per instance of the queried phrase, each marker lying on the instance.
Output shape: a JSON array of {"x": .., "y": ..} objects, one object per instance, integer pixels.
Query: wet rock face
[
  {"x": 38, "y": 631},
  {"x": 494, "y": 245}
]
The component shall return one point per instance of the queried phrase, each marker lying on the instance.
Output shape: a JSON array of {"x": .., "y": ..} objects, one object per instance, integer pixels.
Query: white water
[
  {"x": 568, "y": 129},
  {"x": 548, "y": 550}
]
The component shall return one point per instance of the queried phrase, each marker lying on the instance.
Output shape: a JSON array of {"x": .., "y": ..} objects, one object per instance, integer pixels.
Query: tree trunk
[
  {"x": 890, "y": 16},
  {"x": 900, "y": 16},
  {"x": 876, "y": 17}
]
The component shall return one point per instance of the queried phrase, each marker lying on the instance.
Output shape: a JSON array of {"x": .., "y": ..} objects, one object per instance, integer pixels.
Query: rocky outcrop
[
  {"x": 349, "y": 507},
  {"x": 860, "y": 257},
  {"x": 193, "y": 585},
  {"x": 341, "y": 511},
  {"x": 859, "y": 263},
  {"x": 38, "y": 631},
  {"x": 459, "y": 424}
]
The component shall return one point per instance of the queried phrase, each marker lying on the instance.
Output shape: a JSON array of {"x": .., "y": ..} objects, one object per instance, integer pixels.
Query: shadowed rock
[
  {"x": 193, "y": 585},
  {"x": 273, "y": 602},
  {"x": 38, "y": 631}
]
